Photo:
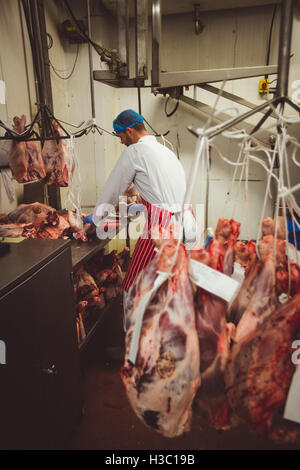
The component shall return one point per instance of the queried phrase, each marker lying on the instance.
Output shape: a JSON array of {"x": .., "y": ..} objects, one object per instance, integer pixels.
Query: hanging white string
[
  {"x": 289, "y": 200},
  {"x": 270, "y": 174},
  {"x": 202, "y": 155}
]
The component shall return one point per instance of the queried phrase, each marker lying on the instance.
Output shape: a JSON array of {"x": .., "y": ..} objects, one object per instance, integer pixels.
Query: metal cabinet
[{"x": 40, "y": 384}]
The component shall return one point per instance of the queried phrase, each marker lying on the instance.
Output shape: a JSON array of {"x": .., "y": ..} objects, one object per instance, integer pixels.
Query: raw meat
[
  {"x": 214, "y": 340},
  {"x": 84, "y": 285},
  {"x": 25, "y": 158},
  {"x": 57, "y": 160},
  {"x": 162, "y": 384},
  {"x": 268, "y": 227},
  {"x": 34, "y": 213},
  {"x": 77, "y": 226},
  {"x": 221, "y": 246},
  {"x": 241, "y": 253},
  {"x": 47, "y": 221},
  {"x": 259, "y": 289},
  {"x": 214, "y": 335},
  {"x": 49, "y": 232},
  {"x": 252, "y": 254},
  {"x": 18, "y": 230},
  {"x": 259, "y": 374},
  {"x": 257, "y": 296}
]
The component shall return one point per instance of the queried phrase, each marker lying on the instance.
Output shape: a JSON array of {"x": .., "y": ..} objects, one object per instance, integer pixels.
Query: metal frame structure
[
  {"x": 281, "y": 97},
  {"x": 120, "y": 78},
  {"x": 161, "y": 80}
]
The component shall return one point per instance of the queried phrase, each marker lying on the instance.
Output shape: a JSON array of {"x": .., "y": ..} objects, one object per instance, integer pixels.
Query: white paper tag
[
  {"x": 213, "y": 281},
  {"x": 135, "y": 340},
  {"x": 2, "y": 92},
  {"x": 292, "y": 405}
]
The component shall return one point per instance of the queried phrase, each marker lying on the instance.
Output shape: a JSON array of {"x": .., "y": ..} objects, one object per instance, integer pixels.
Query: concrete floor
[{"x": 109, "y": 423}]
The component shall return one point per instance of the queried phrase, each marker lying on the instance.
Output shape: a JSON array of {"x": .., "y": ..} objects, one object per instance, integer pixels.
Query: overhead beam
[
  {"x": 230, "y": 96},
  {"x": 264, "y": 135},
  {"x": 193, "y": 77}
]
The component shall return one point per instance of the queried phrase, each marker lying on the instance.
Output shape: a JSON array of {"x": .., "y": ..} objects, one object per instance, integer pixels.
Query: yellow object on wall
[{"x": 263, "y": 85}]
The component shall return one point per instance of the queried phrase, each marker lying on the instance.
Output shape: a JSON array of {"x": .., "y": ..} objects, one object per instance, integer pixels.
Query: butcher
[{"x": 160, "y": 179}]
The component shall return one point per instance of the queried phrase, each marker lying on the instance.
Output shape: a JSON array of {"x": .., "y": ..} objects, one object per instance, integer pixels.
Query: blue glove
[
  {"x": 134, "y": 209},
  {"x": 88, "y": 219}
]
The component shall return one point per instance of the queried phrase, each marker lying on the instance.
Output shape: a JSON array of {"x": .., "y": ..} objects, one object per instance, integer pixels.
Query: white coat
[{"x": 158, "y": 176}]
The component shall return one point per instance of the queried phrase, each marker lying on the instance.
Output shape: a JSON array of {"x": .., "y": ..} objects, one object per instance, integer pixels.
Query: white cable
[
  {"x": 270, "y": 174},
  {"x": 166, "y": 141}
]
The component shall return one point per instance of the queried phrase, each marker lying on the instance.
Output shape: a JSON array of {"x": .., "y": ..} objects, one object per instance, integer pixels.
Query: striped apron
[{"x": 144, "y": 250}]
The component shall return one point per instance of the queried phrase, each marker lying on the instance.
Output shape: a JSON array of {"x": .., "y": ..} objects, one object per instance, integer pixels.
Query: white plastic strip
[
  {"x": 213, "y": 281},
  {"x": 292, "y": 405},
  {"x": 8, "y": 183},
  {"x": 135, "y": 340},
  {"x": 2, "y": 92}
]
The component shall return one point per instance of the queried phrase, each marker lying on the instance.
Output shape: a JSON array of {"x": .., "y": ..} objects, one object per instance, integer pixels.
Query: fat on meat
[
  {"x": 25, "y": 159},
  {"x": 259, "y": 373},
  {"x": 57, "y": 160},
  {"x": 162, "y": 384}
]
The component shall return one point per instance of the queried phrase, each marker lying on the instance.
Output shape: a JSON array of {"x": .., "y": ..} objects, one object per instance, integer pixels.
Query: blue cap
[{"x": 125, "y": 119}]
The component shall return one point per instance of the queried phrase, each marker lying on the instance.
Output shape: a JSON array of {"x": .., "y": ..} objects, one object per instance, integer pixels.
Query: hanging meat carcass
[
  {"x": 266, "y": 279},
  {"x": 222, "y": 244},
  {"x": 58, "y": 162},
  {"x": 269, "y": 227},
  {"x": 214, "y": 333},
  {"x": 257, "y": 297},
  {"x": 241, "y": 253},
  {"x": 25, "y": 159},
  {"x": 260, "y": 370},
  {"x": 162, "y": 383}
]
